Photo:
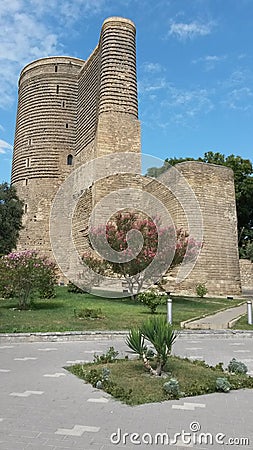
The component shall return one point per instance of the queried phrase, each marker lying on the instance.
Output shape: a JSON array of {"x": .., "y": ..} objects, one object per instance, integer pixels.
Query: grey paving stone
[{"x": 65, "y": 399}]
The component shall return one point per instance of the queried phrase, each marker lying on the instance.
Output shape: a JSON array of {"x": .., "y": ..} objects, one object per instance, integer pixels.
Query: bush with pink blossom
[
  {"x": 24, "y": 274},
  {"x": 175, "y": 244}
]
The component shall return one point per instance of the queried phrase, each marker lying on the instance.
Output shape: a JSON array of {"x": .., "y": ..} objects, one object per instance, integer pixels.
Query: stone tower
[
  {"x": 69, "y": 112},
  {"x": 44, "y": 145},
  {"x": 72, "y": 112}
]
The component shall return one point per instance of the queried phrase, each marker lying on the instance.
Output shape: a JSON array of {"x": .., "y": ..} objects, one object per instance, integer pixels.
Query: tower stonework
[
  {"x": 72, "y": 111},
  {"x": 217, "y": 266},
  {"x": 44, "y": 145}
]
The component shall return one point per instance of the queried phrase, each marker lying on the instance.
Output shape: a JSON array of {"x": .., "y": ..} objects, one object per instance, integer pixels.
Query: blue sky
[{"x": 194, "y": 63}]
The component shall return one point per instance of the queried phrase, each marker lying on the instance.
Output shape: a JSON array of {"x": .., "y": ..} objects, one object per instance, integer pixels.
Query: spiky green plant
[
  {"x": 160, "y": 335},
  {"x": 135, "y": 342}
]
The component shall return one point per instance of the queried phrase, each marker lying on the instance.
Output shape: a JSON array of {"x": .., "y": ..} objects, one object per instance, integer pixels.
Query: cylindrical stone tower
[
  {"x": 44, "y": 141},
  {"x": 118, "y": 125}
]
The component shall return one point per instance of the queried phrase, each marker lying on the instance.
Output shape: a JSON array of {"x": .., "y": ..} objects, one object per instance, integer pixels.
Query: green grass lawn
[
  {"x": 134, "y": 386},
  {"x": 60, "y": 313},
  {"x": 242, "y": 324}
]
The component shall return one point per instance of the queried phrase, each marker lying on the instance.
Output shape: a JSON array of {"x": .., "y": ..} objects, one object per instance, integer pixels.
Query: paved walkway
[
  {"x": 45, "y": 407},
  {"x": 220, "y": 320}
]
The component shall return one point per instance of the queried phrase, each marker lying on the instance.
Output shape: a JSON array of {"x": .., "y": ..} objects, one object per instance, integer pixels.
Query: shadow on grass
[
  {"x": 121, "y": 300},
  {"x": 46, "y": 304},
  {"x": 33, "y": 307}
]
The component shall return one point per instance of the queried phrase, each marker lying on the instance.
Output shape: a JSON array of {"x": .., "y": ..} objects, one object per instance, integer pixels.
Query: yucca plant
[
  {"x": 135, "y": 341},
  {"x": 160, "y": 335}
]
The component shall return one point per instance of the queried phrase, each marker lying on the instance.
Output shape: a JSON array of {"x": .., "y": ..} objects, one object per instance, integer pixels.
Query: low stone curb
[{"x": 98, "y": 335}]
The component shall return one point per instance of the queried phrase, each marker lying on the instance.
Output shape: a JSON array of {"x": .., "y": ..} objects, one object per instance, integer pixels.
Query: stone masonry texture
[{"x": 72, "y": 111}]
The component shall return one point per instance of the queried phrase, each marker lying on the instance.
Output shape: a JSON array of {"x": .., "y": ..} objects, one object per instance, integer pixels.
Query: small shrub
[
  {"x": 75, "y": 289},
  {"x": 109, "y": 357},
  {"x": 222, "y": 385},
  {"x": 201, "y": 290},
  {"x": 98, "y": 377},
  {"x": 89, "y": 313},
  {"x": 171, "y": 388},
  {"x": 199, "y": 362},
  {"x": 246, "y": 251},
  {"x": 237, "y": 367},
  {"x": 152, "y": 299},
  {"x": 219, "y": 366}
]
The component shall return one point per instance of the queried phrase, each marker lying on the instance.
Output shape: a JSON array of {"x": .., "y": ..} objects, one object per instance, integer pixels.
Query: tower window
[
  {"x": 25, "y": 182},
  {"x": 25, "y": 208},
  {"x": 63, "y": 104},
  {"x": 27, "y": 162},
  {"x": 56, "y": 68},
  {"x": 70, "y": 160},
  {"x": 57, "y": 89},
  {"x": 29, "y": 141},
  {"x": 67, "y": 125}
]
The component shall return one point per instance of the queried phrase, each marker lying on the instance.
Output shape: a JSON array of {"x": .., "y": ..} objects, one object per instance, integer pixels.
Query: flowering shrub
[
  {"x": 132, "y": 261},
  {"x": 24, "y": 273}
]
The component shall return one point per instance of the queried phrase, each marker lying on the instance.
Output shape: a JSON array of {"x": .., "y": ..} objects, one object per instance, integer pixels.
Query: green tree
[
  {"x": 11, "y": 211},
  {"x": 243, "y": 175}
]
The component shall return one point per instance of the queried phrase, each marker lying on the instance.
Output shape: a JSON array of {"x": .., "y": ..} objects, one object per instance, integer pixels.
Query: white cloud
[
  {"x": 238, "y": 78},
  {"x": 145, "y": 86},
  {"x": 242, "y": 56},
  {"x": 150, "y": 67},
  {"x": 72, "y": 9},
  {"x": 210, "y": 61},
  {"x": 181, "y": 106},
  {"x": 67, "y": 8},
  {"x": 5, "y": 147},
  {"x": 189, "y": 103},
  {"x": 239, "y": 99},
  {"x": 184, "y": 31},
  {"x": 31, "y": 29}
]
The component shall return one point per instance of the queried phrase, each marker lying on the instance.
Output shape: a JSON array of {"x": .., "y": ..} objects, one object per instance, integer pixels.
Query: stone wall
[
  {"x": 87, "y": 102},
  {"x": 246, "y": 270},
  {"x": 218, "y": 263}
]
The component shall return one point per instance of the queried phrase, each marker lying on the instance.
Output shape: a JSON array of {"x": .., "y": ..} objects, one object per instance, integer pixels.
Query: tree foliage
[
  {"x": 175, "y": 243},
  {"x": 24, "y": 273},
  {"x": 11, "y": 211},
  {"x": 243, "y": 176}
]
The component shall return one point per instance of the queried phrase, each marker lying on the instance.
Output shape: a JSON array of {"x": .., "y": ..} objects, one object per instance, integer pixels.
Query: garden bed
[{"x": 130, "y": 383}]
